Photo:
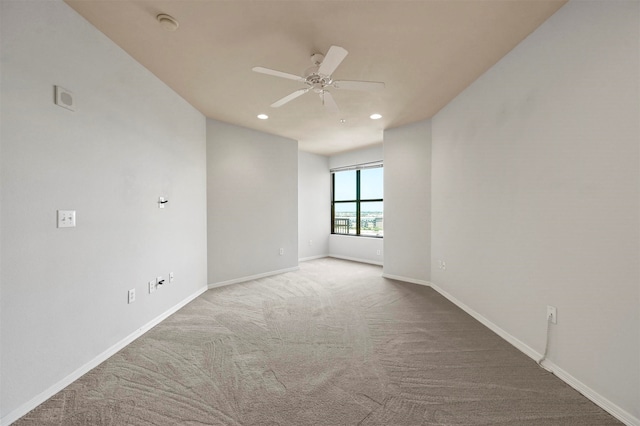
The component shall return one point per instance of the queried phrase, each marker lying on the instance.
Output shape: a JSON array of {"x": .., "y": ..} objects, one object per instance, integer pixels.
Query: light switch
[{"x": 66, "y": 218}]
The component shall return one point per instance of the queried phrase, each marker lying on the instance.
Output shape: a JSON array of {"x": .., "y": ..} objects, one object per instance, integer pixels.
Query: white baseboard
[
  {"x": 304, "y": 259},
  {"x": 406, "y": 279},
  {"x": 610, "y": 407},
  {"x": 524, "y": 348},
  {"x": 57, "y": 387},
  {"x": 251, "y": 277},
  {"x": 616, "y": 411},
  {"x": 355, "y": 259},
  {"x": 613, "y": 409}
]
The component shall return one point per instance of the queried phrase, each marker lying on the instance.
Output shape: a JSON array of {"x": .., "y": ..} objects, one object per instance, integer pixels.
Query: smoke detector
[{"x": 167, "y": 22}]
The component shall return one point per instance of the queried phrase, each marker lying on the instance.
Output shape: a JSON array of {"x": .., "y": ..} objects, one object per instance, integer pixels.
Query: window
[{"x": 356, "y": 200}]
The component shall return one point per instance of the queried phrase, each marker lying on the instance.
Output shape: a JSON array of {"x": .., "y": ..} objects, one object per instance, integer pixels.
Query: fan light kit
[
  {"x": 167, "y": 22},
  {"x": 318, "y": 78},
  {"x": 263, "y": 116},
  {"x": 375, "y": 116}
]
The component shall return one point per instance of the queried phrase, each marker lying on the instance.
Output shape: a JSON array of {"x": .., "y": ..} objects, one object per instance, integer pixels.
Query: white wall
[
  {"x": 362, "y": 249},
  {"x": 314, "y": 205},
  {"x": 252, "y": 203},
  {"x": 131, "y": 139},
  {"x": 407, "y": 207},
  {"x": 358, "y": 156},
  {"x": 359, "y": 249},
  {"x": 535, "y": 196}
]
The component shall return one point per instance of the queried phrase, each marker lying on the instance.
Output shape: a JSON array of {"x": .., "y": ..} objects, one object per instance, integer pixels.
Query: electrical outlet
[
  {"x": 66, "y": 218},
  {"x": 131, "y": 295},
  {"x": 310, "y": 242},
  {"x": 281, "y": 251},
  {"x": 170, "y": 277},
  {"x": 152, "y": 286},
  {"x": 378, "y": 252},
  {"x": 552, "y": 314}
]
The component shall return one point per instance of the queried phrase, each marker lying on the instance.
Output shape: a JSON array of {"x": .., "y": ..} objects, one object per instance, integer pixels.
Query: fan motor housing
[
  {"x": 317, "y": 58},
  {"x": 317, "y": 81}
]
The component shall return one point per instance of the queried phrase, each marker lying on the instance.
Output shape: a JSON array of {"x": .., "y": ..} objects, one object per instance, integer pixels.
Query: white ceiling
[{"x": 426, "y": 51}]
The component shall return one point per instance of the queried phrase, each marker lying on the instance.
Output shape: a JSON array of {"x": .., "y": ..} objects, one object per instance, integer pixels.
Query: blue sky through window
[{"x": 371, "y": 187}]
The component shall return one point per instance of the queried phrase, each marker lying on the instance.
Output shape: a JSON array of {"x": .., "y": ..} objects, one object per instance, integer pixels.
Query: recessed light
[
  {"x": 263, "y": 116},
  {"x": 167, "y": 22},
  {"x": 375, "y": 116}
]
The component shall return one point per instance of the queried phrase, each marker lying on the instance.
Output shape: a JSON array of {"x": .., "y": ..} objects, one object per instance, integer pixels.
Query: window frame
[{"x": 357, "y": 201}]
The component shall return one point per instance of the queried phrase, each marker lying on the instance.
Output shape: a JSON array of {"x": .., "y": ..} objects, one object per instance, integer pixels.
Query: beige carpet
[{"x": 332, "y": 344}]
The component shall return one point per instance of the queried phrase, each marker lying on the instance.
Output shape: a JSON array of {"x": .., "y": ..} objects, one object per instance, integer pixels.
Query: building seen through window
[{"x": 357, "y": 201}]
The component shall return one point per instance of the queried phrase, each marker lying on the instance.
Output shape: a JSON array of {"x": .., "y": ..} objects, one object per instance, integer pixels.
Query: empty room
[{"x": 293, "y": 212}]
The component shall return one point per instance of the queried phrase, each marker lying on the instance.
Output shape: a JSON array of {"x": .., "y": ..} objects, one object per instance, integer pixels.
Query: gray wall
[
  {"x": 407, "y": 207},
  {"x": 131, "y": 139},
  {"x": 314, "y": 205},
  {"x": 535, "y": 196},
  {"x": 252, "y": 203}
]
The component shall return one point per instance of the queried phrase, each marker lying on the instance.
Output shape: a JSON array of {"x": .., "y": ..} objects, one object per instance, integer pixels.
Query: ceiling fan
[{"x": 318, "y": 78}]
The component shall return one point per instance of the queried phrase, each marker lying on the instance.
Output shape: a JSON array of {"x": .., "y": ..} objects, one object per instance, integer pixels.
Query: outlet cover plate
[
  {"x": 552, "y": 314},
  {"x": 66, "y": 218}
]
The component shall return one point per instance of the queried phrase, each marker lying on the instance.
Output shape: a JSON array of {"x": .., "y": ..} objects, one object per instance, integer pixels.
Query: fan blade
[
  {"x": 332, "y": 59},
  {"x": 289, "y": 97},
  {"x": 328, "y": 101},
  {"x": 278, "y": 73},
  {"x": 370, "y": 86}
]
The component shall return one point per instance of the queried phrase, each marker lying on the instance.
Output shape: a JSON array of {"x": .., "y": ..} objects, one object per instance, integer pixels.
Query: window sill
[{"x": 359, "y": 236}]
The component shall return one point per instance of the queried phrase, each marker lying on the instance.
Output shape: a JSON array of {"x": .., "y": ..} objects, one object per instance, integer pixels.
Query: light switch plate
[{"x": 66, "y": 218}]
